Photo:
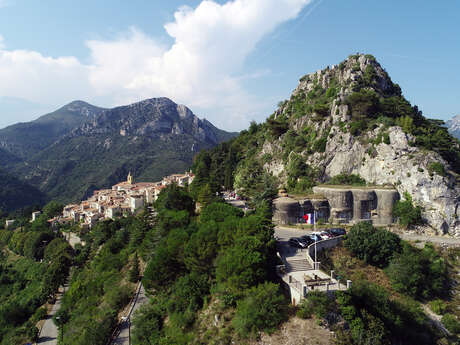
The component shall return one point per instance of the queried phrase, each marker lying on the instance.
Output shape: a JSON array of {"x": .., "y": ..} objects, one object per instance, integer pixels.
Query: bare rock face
[
  {"x": 404, "y": 167},
  {"x": 454, "y": 126}
]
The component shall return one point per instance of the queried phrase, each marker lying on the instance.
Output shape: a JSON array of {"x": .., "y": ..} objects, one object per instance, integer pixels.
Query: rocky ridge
[
  {"x": 383, "y": 153},
  {"x": 151, "y": 139}
]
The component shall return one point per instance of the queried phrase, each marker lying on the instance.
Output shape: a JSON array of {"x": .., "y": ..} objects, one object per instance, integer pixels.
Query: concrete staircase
[{"x": 297, "y": 265}]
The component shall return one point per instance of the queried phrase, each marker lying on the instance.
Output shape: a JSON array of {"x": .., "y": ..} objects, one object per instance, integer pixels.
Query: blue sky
[{"x": 229, "y": 61}]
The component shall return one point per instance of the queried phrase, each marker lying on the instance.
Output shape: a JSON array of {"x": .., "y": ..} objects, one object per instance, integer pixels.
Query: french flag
[{"x": 309, "y": 218}]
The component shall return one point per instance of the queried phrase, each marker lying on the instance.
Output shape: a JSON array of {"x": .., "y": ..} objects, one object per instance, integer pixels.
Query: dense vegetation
[
  {"x": 34, "y": 261},
  {"x": 419, "y": 273},
  {"x": 68, "y": 161},
  {"x": 390, "y": 277},
  {"x": 406, "y": 212},
  {"x": 16, "y": 194},
  {"x": 102, "y": 280},
  {"x": 221, "y": 256}
]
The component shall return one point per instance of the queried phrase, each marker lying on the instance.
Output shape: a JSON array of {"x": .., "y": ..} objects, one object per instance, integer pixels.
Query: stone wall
[{"x": 340, "y": 205}]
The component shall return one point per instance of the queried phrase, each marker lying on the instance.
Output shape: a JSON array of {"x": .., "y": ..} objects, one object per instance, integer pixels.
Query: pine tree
[{"x": 134, "y": 272}]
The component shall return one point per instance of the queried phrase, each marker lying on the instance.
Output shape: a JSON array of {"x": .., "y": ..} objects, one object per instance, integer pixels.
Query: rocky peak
[
  {"x": 352, "y": 119},
  {"x": 149, "y": 118},
  {"x": 454, "y": 126}
]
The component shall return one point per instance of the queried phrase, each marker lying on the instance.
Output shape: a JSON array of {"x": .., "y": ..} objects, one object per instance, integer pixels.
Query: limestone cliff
[{"x": 352, "y": 119}]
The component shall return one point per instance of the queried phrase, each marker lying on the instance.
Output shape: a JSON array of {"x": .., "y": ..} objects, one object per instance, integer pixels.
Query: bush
[
  {"x": 406, "y": 212},
  {"x": 345, "y": 179},
  {"x": 451, "y": 323},
  {"x": 419, "y": 273},
  {"x": 316, "y": 303},
  {"x": 263, "y": 309},
  {"x": 438, "y": 306},
  {"x": 374, "y": 246},
  {"x": 437, "y": 168}
]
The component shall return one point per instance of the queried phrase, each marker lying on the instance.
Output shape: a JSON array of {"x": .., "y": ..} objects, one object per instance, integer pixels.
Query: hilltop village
[{"x": 124, "y": 198}]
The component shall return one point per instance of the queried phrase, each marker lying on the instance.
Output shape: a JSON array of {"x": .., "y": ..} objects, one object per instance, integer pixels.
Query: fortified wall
[{"x": 339, "y": 205}]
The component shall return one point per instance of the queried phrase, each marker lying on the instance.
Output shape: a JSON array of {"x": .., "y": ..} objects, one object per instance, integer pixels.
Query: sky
[{"x": 230, "y": 62}]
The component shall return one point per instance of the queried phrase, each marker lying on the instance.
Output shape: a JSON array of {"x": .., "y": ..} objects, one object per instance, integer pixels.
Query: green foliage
[
  {"x": 316, "y": 303},
  {"x": 375, "y": 318},
  {"x": 148, "y": 322},
  {"x": 23, "y": 289},
  {"x": 346, "y": 179},
  {"x": 438, "y": 168},
  {"x": 438, "y": 306},
  {"x": 222, "y": 248},
  {"x": 374, "y": 246},
  {"x": 451, "y": 323},
  {"x": 419, "y": 273},
  {"x": 175, "y": 198},
  {"x": 243, "y": 265},
  {"x": 264, "y": 308},
  {"x": 277, "y": 127},
  {"x": 301, "y": 177},
  {"x": 16, "y": 194},
  {"x": 406, "y": 212},
  {"x": 133, "y": 276}
]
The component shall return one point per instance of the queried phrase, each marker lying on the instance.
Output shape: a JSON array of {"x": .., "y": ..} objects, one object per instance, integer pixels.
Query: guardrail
[
  {"x": 319, "y": 247},
  {"x": 132, "y": 302}
]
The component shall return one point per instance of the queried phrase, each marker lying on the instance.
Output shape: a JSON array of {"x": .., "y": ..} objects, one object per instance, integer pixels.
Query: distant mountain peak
[{"x": 453, "y": 126}]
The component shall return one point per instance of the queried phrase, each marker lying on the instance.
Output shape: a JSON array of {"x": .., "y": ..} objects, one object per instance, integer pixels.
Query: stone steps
[{"x": 298, "y": 265}]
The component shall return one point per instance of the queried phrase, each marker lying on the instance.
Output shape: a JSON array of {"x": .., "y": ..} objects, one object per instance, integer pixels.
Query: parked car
[
  {"x": 297, "y": 242},
  {"x": 326, "y": 235},
  {"x": 307, "y": 239},
  {"x": 315, "y": 237},
  {"x": 337, "y": 231}
]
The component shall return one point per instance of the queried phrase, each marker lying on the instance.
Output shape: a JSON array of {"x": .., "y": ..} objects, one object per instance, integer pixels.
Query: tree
[
  {"x": 374, "y": 246},
  {"x": 419, "y": 273},
  {"x": 134, "y": 272},
  {"x": 264, "y": 308},
  {"x": 243, "y": 265},
  {"x": 407, "y": 213}
]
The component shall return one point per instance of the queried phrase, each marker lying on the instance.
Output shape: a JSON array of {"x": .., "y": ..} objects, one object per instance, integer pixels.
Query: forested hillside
[
  {"x": 16, "y": 194},
  {"x": 34, "y": 261},
  {"x": 79, "y": 148}
]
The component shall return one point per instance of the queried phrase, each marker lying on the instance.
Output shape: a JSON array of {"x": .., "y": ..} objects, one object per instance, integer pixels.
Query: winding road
[{"x": 49, "y": 332}]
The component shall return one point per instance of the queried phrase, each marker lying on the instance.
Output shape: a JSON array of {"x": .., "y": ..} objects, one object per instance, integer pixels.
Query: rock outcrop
[
  {"x": 352, "y": 119},
  {"x": 454, "y": 126}
]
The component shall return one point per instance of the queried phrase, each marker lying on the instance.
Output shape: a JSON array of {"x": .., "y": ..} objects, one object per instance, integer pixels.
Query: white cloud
[
  {"x": 201, "y": 69},
  {"x": 32, "y": 76}
]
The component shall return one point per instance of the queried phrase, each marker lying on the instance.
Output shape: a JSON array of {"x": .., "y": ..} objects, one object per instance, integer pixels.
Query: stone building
[{"x": 339, "y": 205}]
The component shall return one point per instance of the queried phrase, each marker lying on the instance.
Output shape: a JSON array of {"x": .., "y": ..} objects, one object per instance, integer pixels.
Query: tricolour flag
[{"x": 309, "y": 218}]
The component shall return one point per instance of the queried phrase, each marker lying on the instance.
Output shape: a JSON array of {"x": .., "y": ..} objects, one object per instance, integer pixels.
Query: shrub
[
  {"x": 374, "y": 246},
  {"x": 438, "y": 306},
  {"x": 316, "y": 303},
  {"x": 451, "y": 323},
  {"x": 264, "y": 308},
  {"x": 353, "y": 179},
  {"x": 419, "y": 273},
  {"x": 437, "y": 168},
  {"x": 406, "y": 212}
]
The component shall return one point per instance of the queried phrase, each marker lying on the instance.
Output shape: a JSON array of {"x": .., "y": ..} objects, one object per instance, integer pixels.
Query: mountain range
[{"x": 69, "y": 153}]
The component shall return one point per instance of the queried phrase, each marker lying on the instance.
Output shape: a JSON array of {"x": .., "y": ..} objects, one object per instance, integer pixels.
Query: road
[
  {"x": 49, "y": 332},
  {"x": 285, "y": 233},
  {"x": 123, "y": 337},
  {"x": 448, "y": 241}
]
